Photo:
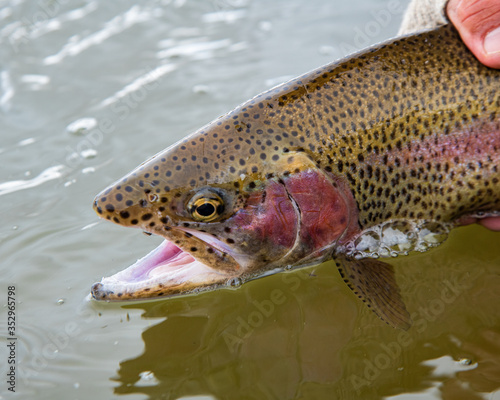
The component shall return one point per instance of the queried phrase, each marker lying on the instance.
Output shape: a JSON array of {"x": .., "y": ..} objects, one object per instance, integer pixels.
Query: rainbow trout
[{"x": 376, "y": 155}]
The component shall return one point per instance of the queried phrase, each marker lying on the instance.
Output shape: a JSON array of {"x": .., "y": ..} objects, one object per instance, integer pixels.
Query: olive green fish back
[{"x": 413, "y": 125}]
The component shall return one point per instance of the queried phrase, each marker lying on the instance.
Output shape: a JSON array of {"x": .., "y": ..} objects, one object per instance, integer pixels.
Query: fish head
[{"x": 231, "y": 206}]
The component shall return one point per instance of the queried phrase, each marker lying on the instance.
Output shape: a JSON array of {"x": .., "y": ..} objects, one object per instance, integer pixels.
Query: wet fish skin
[{"x": 407, "y": 130}]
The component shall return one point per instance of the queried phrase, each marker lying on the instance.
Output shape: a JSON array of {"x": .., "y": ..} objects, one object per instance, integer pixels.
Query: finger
[
  {"x": 478, "y": 22},
  {"x": 492, "y": 223}
]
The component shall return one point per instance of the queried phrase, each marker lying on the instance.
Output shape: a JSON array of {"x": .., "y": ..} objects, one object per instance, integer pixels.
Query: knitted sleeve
[{"x": 423, "y": 14}]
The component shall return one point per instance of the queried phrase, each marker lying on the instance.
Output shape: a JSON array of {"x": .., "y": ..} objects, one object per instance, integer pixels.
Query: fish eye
[{"x": 206, "y": 206}]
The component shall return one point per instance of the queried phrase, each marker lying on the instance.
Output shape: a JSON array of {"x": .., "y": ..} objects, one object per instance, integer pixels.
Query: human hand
[{"x": 478, "y": 22}]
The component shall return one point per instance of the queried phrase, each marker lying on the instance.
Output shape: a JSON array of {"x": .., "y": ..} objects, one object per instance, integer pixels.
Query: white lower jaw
[{"x": 166, "y": 266}]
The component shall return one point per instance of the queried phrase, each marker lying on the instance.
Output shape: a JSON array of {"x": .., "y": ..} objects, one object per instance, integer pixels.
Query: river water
[{"x": 88, "y": 90}]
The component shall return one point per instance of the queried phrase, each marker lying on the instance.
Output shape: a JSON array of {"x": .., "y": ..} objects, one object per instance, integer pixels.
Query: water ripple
[
  {"x": 21, "y": 31},
  {"x": 7, "y": 89},
  {"x": 113, "y": 27},
  {"x": 188, "y": 48},
  {"x": 46, "y": 175},
  {"x": 228, "y": 16},
  {"x": 141, "y": 81}
]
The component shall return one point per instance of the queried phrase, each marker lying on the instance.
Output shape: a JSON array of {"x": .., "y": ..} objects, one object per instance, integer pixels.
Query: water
[{"x": 89, "y": 90}]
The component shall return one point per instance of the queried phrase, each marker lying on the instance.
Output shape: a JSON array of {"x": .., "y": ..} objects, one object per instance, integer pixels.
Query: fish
[{"x": 376, "y": 155}]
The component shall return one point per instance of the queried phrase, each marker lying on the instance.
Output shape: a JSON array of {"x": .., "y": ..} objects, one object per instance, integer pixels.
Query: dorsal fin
[{"x": 373, "y": 282}]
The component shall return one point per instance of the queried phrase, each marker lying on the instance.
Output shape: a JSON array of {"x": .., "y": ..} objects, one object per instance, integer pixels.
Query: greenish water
[{"x": 89, "y": 90}]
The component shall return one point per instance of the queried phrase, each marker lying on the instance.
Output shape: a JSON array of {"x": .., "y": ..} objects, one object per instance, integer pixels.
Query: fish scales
[
  {"x": 406, "y": 131},
  {"x": 384, "y": 120}
]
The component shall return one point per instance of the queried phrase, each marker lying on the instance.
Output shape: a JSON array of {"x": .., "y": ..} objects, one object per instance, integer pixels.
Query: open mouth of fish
[{"x": 165, "y": 271}]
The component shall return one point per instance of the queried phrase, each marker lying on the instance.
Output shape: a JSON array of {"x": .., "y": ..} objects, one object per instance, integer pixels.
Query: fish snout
[
  {"x": 101, "y": 292},
  {"x": 107, "y": 207},
  {"x": 97, "y": 292},
  {"x": 124, "y": 205}
]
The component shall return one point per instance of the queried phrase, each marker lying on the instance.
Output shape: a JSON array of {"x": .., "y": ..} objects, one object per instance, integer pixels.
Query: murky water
[{"x": 88, "y": 90}]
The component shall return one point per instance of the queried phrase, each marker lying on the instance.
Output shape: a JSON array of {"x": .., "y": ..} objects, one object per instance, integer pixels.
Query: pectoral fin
[{"x": 373, "y": 282}]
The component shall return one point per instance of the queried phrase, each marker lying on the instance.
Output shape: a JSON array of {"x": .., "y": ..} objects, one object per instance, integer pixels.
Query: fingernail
[{"x": 492, "y": 41}]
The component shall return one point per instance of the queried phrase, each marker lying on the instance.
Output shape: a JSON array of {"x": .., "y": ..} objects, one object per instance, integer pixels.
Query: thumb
[{"x": 478, "y": 22}]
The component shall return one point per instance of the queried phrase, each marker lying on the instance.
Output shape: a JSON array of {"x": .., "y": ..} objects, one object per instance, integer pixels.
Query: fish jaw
[
  {"x": 192, "y": 260},
  {"x": 165, "y": 271},
  {"x": 280, "y": 223}
]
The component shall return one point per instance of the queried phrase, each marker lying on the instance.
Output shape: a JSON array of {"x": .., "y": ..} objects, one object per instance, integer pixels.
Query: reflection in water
[
  {"x": 217, "y": 343},
  {"x": 303, "y": 335}
]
